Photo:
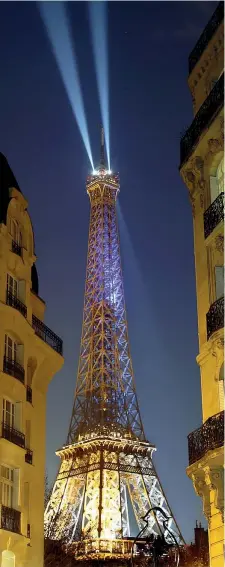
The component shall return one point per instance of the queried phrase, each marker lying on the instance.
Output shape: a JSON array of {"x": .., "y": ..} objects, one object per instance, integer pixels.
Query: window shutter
[
  {"x": 213, "y": 188},
  {"x": 15, "y": 502},
  {"x": 18, "y": 416},
  {"x": 219, "y": 277},
  {"x": 28, "y": 433}
]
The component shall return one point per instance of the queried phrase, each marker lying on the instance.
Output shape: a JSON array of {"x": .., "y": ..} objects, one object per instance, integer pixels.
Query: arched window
[
  {"x": 217, "y": 181},
  {"x": 221, "y": 388}
]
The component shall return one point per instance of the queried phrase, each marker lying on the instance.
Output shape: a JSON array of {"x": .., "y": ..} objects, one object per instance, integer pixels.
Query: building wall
[
  {"x": 199, "y": 169},
  {"x": 40, "y": 362}
]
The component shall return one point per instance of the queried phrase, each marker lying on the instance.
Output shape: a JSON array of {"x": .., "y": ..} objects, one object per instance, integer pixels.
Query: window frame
[{"x": 7, "y": 486}]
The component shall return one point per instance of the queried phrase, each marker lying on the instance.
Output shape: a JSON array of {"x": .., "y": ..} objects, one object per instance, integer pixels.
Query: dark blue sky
[{"x": 149, "y": 44}]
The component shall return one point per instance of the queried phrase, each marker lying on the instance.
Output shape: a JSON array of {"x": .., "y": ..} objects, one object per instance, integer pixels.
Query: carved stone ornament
[
  {"x": 192, "y": 200},
  {"x": 218, "y": 353},
  {"x": 214, "y": 477},
  {"x": 202, "y": 490},
  {"x": 194, "y": 179},
  {"x": 219, "y": 243},
  {"x": 214, "y": 145}
]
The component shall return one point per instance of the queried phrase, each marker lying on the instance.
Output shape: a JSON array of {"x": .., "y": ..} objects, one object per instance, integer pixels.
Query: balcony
[
  {"x": 208, "y": 437},
  {"x": 10, "y": 519},
  {"x": 29, "y": 456},
  {"x": 13, "y": 368},
  {"x": 13, "y": 301},
  {"x": 215, "y": 317},
  {"x": 16, "y": 248},
  {"x": 12, "y": 435},
  {"x": 209, "y": 109},
  {"x": 47, "y": 335},
  {"x": 29, "y": 394},
  {"x": 214, "y": 215},
  {"x": 206, "y": 36}
]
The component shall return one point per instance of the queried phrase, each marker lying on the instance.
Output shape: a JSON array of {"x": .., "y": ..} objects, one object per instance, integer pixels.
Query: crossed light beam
[
  {"x": 98, "y": 26},
  {"x": 58, "y": 30}
]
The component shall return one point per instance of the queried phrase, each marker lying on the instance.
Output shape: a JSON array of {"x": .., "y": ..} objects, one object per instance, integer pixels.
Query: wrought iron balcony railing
[
  {"x": 215, "y": 317},
  {"x": 208, "y": 437},
  {"x": 16, "y": 248},
  {"x": 29, "y": 456},
  {"x": 47, "y": 335},
  {"x": 214, "y": 214},
  {"x": 29, "y": 394},
  {"x": 205, "y": 37},
  {"x": 10, "y": 519},
  {"x": 13, "y": 435},
  {"x": 13, "y": 368},
  {"x": 13, "y": 301},
  {"x": 212, "y": 105}
]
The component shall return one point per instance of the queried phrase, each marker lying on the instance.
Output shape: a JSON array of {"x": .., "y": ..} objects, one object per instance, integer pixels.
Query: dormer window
[
  {"x": 15, "y": 231},
  {"x": 12, "y": 285}
]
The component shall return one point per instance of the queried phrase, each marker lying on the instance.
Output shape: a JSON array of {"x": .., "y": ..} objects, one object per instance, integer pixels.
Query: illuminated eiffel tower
[{"x": 106, "y": 464}]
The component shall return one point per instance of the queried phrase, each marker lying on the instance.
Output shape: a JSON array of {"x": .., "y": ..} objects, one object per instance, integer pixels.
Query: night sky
[{"x": 150, "y": 105}]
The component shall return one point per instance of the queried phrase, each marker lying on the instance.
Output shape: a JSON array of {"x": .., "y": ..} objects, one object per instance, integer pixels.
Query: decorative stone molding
[
  {"x": 216, "y": 145},
  {"x": 218, "y": 353},
  {"x": 210, "y": 55},
  {"x": 219, "y": 243},
  {"x": 214, "y": 478},
  {"x": 195, "y": 181},
  {"x": 202, "y": 490}
]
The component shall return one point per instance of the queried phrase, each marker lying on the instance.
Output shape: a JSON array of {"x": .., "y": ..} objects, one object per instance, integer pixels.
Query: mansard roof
[{"x": 7, "y": 181}]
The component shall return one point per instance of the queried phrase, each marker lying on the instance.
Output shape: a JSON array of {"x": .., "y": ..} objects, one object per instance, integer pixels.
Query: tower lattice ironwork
[{"x": 106, "y": 464}]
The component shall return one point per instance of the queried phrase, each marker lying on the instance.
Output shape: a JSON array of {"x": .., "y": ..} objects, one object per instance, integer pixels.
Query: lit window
[{"x": 217, "y": 181}]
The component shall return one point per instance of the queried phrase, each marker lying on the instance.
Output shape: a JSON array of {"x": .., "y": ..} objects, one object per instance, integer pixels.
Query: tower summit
[{"x": 106, "y": 464}]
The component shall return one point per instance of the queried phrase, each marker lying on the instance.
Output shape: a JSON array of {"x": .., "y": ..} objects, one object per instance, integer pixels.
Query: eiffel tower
[{"x": 106, "y": 465}]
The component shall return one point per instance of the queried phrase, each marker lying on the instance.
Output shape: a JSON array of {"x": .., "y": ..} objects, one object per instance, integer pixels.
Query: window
[
  {"x": 12, "y": 285},
  {"x": 10, "y": 348},
  {"x": 9, "y": 411},
  {"x": 15, "y": 231},
  {"x": 219, "y": 279},
  {"x": 6, "y": 486},
  {"x": 217, "y": 181}
]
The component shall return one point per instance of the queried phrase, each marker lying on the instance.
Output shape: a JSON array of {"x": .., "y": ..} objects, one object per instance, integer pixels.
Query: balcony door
[
  {"x": 9, "y": 413},
  {"x": 217, "y": 181},
  {"x": 10, "y": 348},
  {"x": 12, "y": 285},
  {"x": 6, "y": 486}
]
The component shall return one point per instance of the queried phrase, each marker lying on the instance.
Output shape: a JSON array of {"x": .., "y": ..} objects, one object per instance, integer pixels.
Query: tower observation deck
[{"x": 106, "y": 464}]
